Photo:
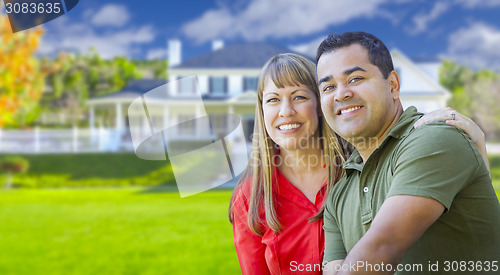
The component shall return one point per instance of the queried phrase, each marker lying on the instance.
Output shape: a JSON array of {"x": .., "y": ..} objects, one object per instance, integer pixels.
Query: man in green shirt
[{"x": 413, "y": 201}]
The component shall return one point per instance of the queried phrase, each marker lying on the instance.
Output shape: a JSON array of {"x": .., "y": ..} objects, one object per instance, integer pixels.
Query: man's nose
[{"x": 342, "y": 93}]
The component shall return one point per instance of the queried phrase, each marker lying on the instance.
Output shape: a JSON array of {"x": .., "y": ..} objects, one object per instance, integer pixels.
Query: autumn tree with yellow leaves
[{"x": 21, "y": 78}]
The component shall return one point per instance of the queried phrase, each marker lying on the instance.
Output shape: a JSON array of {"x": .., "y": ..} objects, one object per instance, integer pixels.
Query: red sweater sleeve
[{"x": 249, "y": 246}]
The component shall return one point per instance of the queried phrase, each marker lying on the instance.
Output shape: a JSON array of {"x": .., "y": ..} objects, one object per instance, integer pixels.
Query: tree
[
  {"x": 21, "y": 78},
  {"x": 82, "y": 76},
  {"x": 10, "y": 166},
  {"x": 475, "y": 94},
  {"x": 156, "y": 68}
]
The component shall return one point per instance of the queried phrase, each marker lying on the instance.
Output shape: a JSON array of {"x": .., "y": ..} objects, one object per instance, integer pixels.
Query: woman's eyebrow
[{"x": 270, "y": 93}]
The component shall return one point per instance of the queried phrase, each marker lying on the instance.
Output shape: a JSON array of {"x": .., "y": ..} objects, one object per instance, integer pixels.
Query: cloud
[
  {"x": 262, "y": 19},
  {"x": 308, "y": 48},
  {"x": 475, "y": 46},
  {"x": 422, "y": 20},
  {"x": 158, "y": 53},
  {"x": 79, "y": 37},
  {"x": 478, "y": 3},
  {"x": 113, "y": 15}
]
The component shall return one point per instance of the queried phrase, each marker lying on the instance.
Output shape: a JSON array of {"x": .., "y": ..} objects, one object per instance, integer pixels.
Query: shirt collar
[
  {"x": 285, "y": 189},
  {"x": 401, "y": 129},
  {"x": 404, "y": 125}
]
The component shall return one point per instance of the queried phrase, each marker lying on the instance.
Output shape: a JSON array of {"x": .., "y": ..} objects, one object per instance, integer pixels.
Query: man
[{"x": 413, "y": 200}]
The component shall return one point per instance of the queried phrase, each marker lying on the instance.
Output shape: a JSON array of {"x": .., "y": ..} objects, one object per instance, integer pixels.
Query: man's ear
[{"x": 394, "y": 83}]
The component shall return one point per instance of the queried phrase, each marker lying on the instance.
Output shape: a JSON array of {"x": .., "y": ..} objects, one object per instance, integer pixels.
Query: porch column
[
  {"x": 146, "y": 129},
  {"x": 119, "y": 119},
  {"x": 228, "y": 123},
  {"x": 198, "y": 125},
  {"x": 166, "y": 121},
  {"x": 92, "y": 121}
]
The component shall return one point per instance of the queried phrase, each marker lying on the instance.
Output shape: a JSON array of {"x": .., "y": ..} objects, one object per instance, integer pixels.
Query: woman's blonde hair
[{"x": 284, "y": 70}]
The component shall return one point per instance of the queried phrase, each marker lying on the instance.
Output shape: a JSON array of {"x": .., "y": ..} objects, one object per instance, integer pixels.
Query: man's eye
[
  {"x": 328, "y": 88},
  {"x": 355, "y": 79}
]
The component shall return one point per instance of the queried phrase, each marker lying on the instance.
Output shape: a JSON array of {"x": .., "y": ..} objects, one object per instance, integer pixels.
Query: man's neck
[{"x": 366, "y": 146}]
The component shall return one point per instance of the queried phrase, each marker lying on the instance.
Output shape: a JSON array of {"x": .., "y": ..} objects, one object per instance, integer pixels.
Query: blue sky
[{"x": 466, "y": 31}]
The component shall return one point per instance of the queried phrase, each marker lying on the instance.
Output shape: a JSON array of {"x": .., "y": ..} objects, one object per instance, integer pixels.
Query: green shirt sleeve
[
  {"x": 435, "y": 161},
  {"x": 334, "y": 245}
]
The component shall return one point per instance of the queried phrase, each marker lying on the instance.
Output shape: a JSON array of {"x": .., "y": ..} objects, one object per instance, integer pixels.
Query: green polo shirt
[{"x": 436, "y": 161}]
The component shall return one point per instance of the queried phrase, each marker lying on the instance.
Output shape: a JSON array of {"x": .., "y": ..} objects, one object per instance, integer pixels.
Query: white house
[
  {"x": 226, "y": 76},
  {"x": 420, "y": 83},
  {"x": 226, "y": 79},
  {"x": 220, "y": 82}
]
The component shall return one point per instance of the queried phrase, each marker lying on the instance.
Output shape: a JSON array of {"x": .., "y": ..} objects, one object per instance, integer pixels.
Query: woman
[{"x": 277, "y": 206}]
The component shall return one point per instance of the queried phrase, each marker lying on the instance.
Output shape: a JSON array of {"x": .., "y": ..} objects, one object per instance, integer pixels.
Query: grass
[
  {"x": 130, "y": 230},
  {"x": 91, "y": 170},
  {"x": 64, "y": 170},
  {"x": 114, "y": 231},
  {"x": 495, "y": 171},
  {"x": 84, "y": 166}
]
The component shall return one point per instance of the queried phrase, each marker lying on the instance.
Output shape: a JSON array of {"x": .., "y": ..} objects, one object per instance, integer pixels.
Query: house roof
[
  {"x": 134, "y": 89},
  {"x": 239, "y": 55},
  {"x": 139, "y": 87},
  {"x": 437, "y": 89}
]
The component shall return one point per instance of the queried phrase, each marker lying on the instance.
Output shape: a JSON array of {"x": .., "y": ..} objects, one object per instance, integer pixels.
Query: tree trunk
[{"x": 8, "y": 181}]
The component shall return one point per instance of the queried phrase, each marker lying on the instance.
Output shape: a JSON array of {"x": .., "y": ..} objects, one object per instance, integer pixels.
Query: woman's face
[{"x": 290, "y": 115}]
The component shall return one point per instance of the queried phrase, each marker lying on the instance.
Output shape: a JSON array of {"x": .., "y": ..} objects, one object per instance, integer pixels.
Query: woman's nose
[{"x": 287, "y": 109}]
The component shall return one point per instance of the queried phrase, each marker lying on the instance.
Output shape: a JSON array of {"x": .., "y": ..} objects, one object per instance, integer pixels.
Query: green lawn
[
  {"x": 66, "y": 170},
  {"x": 131, "y": 230},
  {"x": 115, "y": 231}
]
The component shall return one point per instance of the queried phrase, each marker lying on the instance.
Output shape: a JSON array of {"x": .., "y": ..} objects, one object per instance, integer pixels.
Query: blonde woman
[{"x": 277, "y": 206}]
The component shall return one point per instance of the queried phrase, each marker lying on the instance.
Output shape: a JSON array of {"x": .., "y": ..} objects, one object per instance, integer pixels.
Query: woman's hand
[{"x": 454, "y": 118}]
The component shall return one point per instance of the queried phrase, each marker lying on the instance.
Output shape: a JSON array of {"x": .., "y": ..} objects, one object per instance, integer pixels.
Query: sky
[{"x": 465, "y": 31}]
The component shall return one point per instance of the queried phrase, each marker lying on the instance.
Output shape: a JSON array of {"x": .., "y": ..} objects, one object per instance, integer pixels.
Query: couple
[{"x": 408, "y": 193}]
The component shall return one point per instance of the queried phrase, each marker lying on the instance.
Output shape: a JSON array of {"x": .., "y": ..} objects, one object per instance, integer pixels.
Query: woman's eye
[
  {"x": 271, "y": 100},
  {"x": 299, "y": 97}
]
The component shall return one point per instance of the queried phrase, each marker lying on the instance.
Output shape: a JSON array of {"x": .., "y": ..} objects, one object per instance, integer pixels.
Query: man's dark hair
[{"x": 378, "y": 53}]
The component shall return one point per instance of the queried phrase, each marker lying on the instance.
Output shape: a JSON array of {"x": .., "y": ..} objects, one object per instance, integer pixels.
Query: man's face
[{"x": 355, "y": 98}]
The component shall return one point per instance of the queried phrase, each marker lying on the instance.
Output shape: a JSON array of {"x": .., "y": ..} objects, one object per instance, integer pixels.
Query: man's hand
[{"x": 400, "y": 222}]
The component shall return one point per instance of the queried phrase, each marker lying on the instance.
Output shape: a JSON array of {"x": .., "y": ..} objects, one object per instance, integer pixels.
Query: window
[
  {"x": 218, "y": 85},
  {"x": 219, "y": 124},
  {"x": 250, "y": 83},
  {"x": 187, "y": 85},
  {"x": 187, "y": 126}
]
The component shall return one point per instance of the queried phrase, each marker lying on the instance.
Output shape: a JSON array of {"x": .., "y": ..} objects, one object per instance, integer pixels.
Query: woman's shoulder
[{"x": 244, "y": 190}]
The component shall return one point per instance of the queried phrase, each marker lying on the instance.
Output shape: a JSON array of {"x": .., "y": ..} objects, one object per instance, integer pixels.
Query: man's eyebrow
[
  {"x": 346, "y": 72},
  {"x": 350, "y": 71},
  {"x": 325, "y": 79}
]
